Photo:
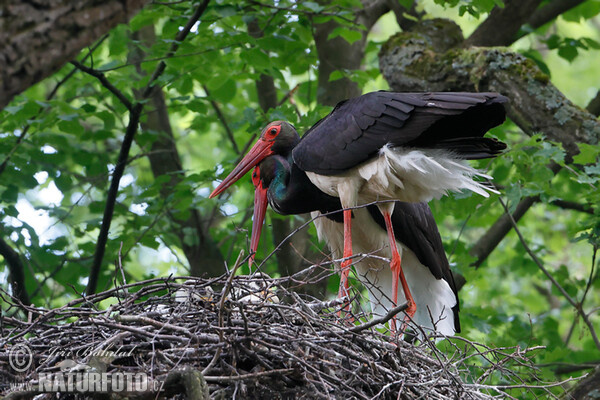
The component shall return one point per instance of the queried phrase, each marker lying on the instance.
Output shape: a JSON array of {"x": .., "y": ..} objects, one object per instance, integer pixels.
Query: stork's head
[{"x": 278, "y": 137}]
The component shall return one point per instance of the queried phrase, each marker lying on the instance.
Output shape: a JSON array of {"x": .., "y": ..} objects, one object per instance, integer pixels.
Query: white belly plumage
[
  {"x": 433, "y": 297},
  {"x": 402, "y": 174}
]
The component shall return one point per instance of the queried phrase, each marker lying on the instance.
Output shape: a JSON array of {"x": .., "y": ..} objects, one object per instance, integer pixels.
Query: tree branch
[
  {"x": 111, "y": 197},
  {"x": 571, "y": 205},
  {"x": 37, "y": 39},
  {"x": 550, "y": 11},
  {"x": 538, "y": 262},
  {"x": 106, "y": 83},
  {"x": 501, "y": 26},
  {"x": 594, "y": 105},
  {"x": 409, "y": 62},
  {"x": 400, "y": 12},
  {"x": 221, "y": 118},
  {"x": 381, "y": 320}
]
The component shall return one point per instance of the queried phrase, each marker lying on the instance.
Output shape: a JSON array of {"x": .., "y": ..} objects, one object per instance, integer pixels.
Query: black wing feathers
[
  {"x": 415, "y": 227},
  {"x": 359, "y": 127}
]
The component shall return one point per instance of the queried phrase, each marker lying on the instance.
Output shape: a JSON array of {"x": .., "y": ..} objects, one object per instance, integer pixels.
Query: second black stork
[{"x": 383, "y": 147}]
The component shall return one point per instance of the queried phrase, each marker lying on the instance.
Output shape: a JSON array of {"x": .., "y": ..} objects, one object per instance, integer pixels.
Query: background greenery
[{"x": 58, "y": 155}]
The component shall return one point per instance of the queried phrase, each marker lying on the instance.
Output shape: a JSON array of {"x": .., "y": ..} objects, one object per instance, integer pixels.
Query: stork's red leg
[
  {"x": 398, "y": 274},
  {"x": 345, "y": 267}
]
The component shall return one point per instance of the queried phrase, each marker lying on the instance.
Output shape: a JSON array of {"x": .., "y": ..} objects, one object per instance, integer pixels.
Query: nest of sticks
[{"x": 230, "y": 337}]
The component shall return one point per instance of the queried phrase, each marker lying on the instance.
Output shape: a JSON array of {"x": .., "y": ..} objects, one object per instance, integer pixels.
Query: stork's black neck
[{"x": 291, "y": 192}]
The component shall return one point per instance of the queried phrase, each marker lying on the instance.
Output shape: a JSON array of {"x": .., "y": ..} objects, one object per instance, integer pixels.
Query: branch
[
  {"x": 372, "y": 11},
  {"x": 160, "y": 68},
  {"x": 400, "y": 12},
  {"x": 494, "y": 235},
  {"x": 222, "y": 119},
  {"x": 381, "y": 320},
  {"x": 587, "y": 388},
  {"x": 550, "y": 11},
  {"x": 502, "y": 25},
  {"x": 106, "y": 83},
  {"x": 594, "y": 105},
  {"x": 409, "y": 62},
  {"x": 571, "y": 205},
  {"x": 16, "y": 272},
  {"x": 578, "y": 307},
  {"x": 111, "y": 198}
]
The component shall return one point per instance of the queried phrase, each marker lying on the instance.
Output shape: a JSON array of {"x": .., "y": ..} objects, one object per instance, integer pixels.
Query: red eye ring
[{"x": 274, "y": 130}]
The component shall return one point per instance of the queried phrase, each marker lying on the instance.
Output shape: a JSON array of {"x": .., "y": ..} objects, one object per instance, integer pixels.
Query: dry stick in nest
[{"x": 224, "y": 294}]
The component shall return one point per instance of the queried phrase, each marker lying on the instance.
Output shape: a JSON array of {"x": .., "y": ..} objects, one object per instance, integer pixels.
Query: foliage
[{"x": 58, "y": 155}]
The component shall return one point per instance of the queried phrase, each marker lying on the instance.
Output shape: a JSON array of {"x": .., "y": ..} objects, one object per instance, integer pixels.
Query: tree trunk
[{"x": 37, "y": 37}]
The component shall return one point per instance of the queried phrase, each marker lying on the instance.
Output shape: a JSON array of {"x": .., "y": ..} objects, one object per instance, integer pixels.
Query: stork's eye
[{"x": 274, "y": 131}]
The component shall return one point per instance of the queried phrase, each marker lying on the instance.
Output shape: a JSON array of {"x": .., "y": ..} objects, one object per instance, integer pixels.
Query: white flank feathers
[
  {"x": 402, "y": 174},
  {"x": 433, "y": 297}
]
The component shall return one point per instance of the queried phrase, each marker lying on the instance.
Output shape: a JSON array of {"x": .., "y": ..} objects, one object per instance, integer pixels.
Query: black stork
[{"x": 380, "y": 147}]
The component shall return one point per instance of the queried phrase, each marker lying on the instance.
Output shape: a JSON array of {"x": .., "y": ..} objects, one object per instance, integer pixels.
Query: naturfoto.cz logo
[{"x": 80, "y": 378}]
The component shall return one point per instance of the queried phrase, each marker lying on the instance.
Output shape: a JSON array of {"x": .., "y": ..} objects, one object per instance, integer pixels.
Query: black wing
[
  {"x": 415, "y": 227},
  {"x": 357, "y": 128}
]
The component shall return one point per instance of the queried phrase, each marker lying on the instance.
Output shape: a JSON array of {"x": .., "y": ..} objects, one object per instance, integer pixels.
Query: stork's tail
[{"x": 472, "y": 148}]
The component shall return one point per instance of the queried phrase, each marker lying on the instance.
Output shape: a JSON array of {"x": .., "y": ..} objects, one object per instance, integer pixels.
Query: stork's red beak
[
  {"x": 258, "y": 152},
  {"x": 260, "y": 209}
]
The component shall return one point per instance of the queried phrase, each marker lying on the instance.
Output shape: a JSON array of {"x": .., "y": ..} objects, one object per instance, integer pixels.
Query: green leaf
[
  {"x": 349, "y": 35},
  {"x": 335, "y": 75},
  {"x": 587, "y": 153},
  {"x": 257, "y": 58},
  {"x": 407, "y": 4},
  {"x": 569, "y": 53},
  {"x": 586, "y": 10},
  {"x": 72, "y": 127},
  {"x": 13, "y": 109},
  {"x": 226, "y": 92},
  {"x": 311, "y": 5}
]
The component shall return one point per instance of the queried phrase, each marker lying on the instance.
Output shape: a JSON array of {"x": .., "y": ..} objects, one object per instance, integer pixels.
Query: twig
[
  {"x": 221, "y": 118},
  {"x": 106, "y": 83},
  {"x": 381, "y": 320},
  {"x": 224, "y": 295},
  {"x": 160, "y": 68},
  {"x": 247, "y": 376},
  {"x": 540, "y": 265}
]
